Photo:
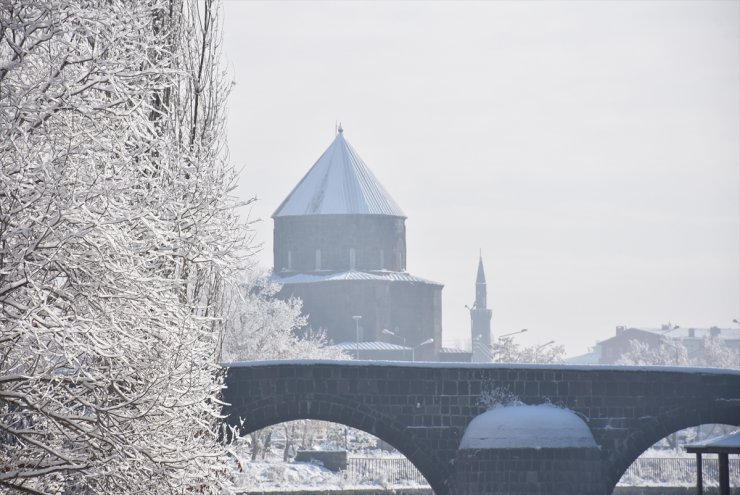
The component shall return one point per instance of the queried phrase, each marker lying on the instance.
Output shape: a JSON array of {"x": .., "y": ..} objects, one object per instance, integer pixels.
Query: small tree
[
  {"x": 259, "y": 325},
  {"x": 506, "y": 350}
]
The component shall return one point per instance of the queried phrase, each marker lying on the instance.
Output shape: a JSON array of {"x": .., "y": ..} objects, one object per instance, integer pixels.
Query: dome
[{"x": 527, "y": 427}]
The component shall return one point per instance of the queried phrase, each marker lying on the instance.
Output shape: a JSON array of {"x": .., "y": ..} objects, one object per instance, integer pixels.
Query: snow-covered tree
[
  {"x": 506, "y": 350},
  {"x": 673, "y": 352},
  {"x": 117, "y": 232},
  {"x": 717, "y": 354},
  {"x": 260, "y": 325}
]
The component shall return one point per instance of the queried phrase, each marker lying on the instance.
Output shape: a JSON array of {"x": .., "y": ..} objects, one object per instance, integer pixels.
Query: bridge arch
[
  {"x": 276, "y": 410},
  {"x": 656, "y": 428}
]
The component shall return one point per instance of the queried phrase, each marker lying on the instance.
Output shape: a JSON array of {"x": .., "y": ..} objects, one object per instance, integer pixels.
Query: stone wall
[{"x": 379, "y": 242}]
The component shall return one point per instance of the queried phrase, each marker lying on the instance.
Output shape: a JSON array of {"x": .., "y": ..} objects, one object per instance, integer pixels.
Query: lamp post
[
  {"x": 413, "y": 349},
  {"x": 499, "y": 348},
  {"x": 540, "y": 347},
  {"x": 357, "y": 336},
  {"x": 512, "y": 333},
  {"x": 385, "y": 331}
]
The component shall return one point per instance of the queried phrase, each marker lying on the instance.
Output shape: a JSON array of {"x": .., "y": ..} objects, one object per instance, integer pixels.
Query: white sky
[{"x": 590, "y": 149}]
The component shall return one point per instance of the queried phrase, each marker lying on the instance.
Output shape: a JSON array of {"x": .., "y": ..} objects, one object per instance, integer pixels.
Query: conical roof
[{"x": 339, "y": 183}]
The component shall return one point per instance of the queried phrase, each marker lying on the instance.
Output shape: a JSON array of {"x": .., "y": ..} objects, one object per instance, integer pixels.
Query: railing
[
  {"x": 386, "y": 470},
  {"x": 677, "y": 471},
  {"x": 668, "y": 471}
]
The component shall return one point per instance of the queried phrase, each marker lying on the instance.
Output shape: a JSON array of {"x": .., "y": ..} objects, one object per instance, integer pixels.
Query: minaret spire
[
  {"x": 481, "y": 277},
  {"x": 480, "y": 318}
]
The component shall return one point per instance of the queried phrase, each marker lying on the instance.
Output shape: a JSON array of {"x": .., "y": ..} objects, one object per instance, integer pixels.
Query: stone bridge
[{"x": 423, "y": 410}]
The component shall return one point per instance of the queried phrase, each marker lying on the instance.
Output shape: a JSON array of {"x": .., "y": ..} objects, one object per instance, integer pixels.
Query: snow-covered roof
[
  {"x": 592, "y": 357},
  {"x": 521, "y": 426},
  {"x": 730, "y": 441},
  {"x": 692, "y": 333},
  {"x": 452, "y": 350},
  {"x": 339, "y": 183},
  {"x": 311, "y": 278},
  {"x": 370, "y": 346}
]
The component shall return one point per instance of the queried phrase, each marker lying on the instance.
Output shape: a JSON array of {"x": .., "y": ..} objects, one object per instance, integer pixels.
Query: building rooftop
[
  {"x": 725, "y": 444},
  {"x": 689, "y": 332},
  {"x": 370, "y": 346},
  {"x": 381, "y": 275},
  {"x": 339, "y": 183}
]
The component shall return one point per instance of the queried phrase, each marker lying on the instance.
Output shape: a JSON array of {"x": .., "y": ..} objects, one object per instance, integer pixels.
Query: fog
[{"x": 590, "y": 150}]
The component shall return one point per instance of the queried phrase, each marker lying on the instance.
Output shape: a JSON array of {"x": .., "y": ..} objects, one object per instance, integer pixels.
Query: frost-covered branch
[
  {"x": 118, "y": 232},
  {"x": 262, "y": 326},
  {"x": 711, "y": 352}
]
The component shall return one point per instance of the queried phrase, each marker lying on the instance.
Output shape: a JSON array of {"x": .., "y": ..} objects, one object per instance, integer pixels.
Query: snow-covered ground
[
  {"x": 384, "y": 469},
  {"x": 381, "y": 469},
  {"x": 674, "y": 467},
  {"x": 280, "y": 476}
]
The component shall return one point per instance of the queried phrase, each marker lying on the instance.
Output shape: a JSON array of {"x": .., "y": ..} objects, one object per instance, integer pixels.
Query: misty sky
[{"x": 590, "y": 149}]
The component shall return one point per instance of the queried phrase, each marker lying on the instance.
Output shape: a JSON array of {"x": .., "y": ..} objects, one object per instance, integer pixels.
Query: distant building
[
  {"x": 340, "y": 246},
  {"x": 611, "y": 350}
]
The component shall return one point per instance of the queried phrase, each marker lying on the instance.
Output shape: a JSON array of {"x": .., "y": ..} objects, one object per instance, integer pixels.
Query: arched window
[
  {"x": 318, "y": 259},
  {"x": 352, "y": 260}
]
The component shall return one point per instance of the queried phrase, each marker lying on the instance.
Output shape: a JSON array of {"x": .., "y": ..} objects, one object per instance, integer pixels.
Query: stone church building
[{"x": 340, "y": 246}]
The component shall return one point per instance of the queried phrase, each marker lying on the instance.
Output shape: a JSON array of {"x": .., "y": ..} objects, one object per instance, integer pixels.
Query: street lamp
[
  {"x": 357, "y": 336},
  {"x": 540, "y": 347},
  {"x": 512, "y": 333},
  {"x": 502, "y": 346},
  {"x": 385, "y": 331},
  {"x": 413, "y": 349}
]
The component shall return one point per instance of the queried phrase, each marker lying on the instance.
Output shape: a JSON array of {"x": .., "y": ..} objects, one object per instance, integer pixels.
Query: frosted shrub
[{"x": 492, "y": 396}]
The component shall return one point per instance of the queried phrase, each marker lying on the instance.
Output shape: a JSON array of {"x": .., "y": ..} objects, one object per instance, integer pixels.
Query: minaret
[{"x": 480, "y": 319}]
